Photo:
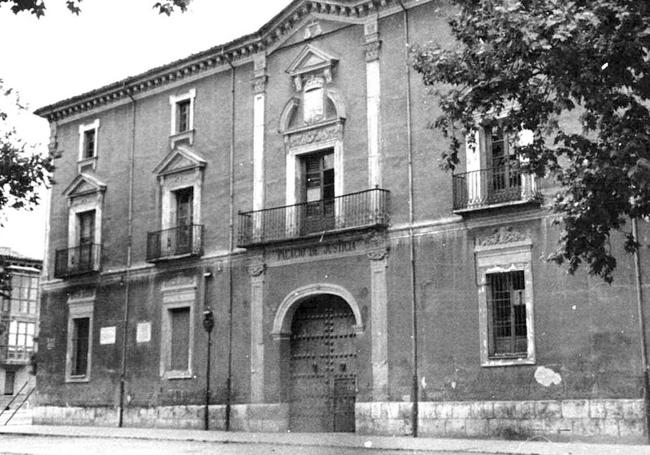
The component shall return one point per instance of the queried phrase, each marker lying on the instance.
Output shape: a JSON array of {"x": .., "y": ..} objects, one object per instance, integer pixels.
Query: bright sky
[{"x": 61, "y": 55}]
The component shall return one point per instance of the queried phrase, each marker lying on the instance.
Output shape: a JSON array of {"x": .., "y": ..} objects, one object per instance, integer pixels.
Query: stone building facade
[{"x": 287, "y": 185}]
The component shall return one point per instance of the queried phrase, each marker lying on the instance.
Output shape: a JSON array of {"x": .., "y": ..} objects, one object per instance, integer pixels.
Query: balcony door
[
  {"x": 184, "y": 220},
  {"x": 86, "y": 231},
  {"x": 318, "y": 192},
  {"x": 505, "y": 180}
]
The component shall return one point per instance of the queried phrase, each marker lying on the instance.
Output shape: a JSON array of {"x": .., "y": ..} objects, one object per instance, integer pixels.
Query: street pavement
[{"x": 42, "y": 440}]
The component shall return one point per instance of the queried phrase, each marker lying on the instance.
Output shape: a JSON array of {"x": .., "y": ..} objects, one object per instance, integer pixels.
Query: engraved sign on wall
[
  {"x": 107, "y": 335},
  {"x": 143, "y": 332}
]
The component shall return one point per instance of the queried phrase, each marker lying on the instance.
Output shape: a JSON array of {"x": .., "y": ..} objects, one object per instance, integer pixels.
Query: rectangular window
[
  {"x": 508, "y": 332},
  {"x": 180, "y": 338},
  {"x": 79, "y": 346},
  {"x": 86, "y": 221},
  {"x": 86, "y": 233},
  {"x": 177, "y": 329},
  {"x": 506, "y": 175},
  {"x": 183, "y": 116},
  {"x": 89, "y": 143},
  {"x": 24, "y": 294}
]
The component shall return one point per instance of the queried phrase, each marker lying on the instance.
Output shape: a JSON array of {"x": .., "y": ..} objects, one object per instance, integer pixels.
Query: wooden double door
[{"x": 322, "y": 389}]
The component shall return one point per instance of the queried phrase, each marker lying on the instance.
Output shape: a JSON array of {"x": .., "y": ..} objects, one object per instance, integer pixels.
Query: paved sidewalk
[{"x": 333, "y": 440}]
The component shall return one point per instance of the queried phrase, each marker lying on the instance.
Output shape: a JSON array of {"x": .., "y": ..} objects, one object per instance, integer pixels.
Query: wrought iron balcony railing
[
  {"x": 351, "y": 211},
  {"x": 184, "y": 240},
  {"x": 496, "y": 186},
  {"x": 15, "y": 355},
  {"x": 78, "y": 260}
]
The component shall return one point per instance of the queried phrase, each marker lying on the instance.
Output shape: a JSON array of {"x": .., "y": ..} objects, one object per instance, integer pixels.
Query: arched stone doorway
[{"x": 322, "y": 365}]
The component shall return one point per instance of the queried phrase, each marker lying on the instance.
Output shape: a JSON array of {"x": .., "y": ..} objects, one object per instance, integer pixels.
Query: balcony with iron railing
[
  {"x": 77, "y": 260},
  {"x": 361, "y": 210},
  {"x": 173, "y": 243},
  {"x": 493, "y": 187},
  {"x": 15, "y": 355}
]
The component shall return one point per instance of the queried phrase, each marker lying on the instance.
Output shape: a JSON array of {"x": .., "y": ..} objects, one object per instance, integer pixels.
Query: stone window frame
[
  {"x": 77, "y": 309},
  {"x": 84, "y": 162},
  {"x": 187, "y": 135},
  {"x": 332, "y": 140},
  {"x": 502, "y": 258},
  {"x": 176, "y": 294}
]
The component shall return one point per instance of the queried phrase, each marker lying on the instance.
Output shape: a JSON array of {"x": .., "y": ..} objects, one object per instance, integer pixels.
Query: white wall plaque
[
  {"x": 107, "y": 335},
  {"x": 143, "y": 333}
]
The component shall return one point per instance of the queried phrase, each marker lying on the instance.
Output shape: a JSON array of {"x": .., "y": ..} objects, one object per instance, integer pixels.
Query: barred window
[{"x": 508, "y": 332}]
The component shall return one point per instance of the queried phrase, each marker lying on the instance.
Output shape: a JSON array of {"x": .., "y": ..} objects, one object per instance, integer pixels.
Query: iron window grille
[{"x": 508, "y": 331}]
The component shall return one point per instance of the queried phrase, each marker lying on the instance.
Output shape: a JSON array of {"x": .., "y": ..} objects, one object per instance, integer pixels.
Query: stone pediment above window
[
  {"x": 311, "y": 63},
  {"x": 180, "y": 160},
  {"x": 84, "y": 185}
]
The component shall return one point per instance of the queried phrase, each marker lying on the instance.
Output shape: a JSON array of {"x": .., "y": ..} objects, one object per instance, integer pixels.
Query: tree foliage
[
  {"x": 22, "y": 171},
  {"x": 539, "y": 62},
  {"x": 38, "y": 7}
]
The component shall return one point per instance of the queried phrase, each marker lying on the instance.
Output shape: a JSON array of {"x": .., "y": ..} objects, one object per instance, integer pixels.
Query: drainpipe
[
  {"x": 231, "y": 239},
  {"x": 409, "y": 147},
  {"x": 129, "y": 254},
  {"x": 641, "y": 315}
]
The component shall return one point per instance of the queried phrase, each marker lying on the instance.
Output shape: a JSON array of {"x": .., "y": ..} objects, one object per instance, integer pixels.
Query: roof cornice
[{"x": 238, "y": 51}]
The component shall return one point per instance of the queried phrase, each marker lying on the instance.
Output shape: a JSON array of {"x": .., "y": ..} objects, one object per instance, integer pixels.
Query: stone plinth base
[
  {"x": 608, "y": 419},
  {"x": 272, "y": 417}
]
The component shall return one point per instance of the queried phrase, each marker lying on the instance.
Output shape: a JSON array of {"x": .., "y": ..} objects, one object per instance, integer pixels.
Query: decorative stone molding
[
  {"x": 309, "y": 63},
  {"x": 256, "y": 269},
  {"x": 376, "y": 240},
  {"x": 284, "y": 314},
  {"x": 259, "y": 65},
  {"x": 81, "y": 294},
  {"x": 500, "y": 236},
  {"x": 328, "y": 133},
  {"x": 372, "y": 51},
  {"x": 259, "y": 84},
  {"x": 377, "y": 255},
  {"x": 178, "y": 282}
]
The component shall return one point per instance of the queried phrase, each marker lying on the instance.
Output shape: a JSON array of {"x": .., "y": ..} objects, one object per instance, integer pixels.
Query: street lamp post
[{"x": 208, "y": 325}]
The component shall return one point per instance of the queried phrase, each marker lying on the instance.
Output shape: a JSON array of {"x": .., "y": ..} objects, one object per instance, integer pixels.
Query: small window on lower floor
[
  {"x": 79, "y": 348},
  {"x": 179, "y": 319},
  {"x": 508, "y": 334}
]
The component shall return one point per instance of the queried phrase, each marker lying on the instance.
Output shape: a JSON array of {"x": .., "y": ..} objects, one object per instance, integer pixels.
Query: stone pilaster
[
  {"x": 256, "y": 271},
  {"x": 372, "y": 45},
  {"x": 379, "y": 322},
  {"x": 259, "y": 101}
]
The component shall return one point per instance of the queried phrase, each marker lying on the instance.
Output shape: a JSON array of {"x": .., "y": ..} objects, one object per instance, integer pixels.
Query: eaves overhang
[{"x": 235, "y": 52}]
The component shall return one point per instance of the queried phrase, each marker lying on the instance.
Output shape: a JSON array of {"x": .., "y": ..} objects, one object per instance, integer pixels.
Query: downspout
[
  {"x": 231, "y": 240},
  {"x": 641, "y": 315},
  {"x": 409, "y": 147},
  {"x": 129, "y": 254}
]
